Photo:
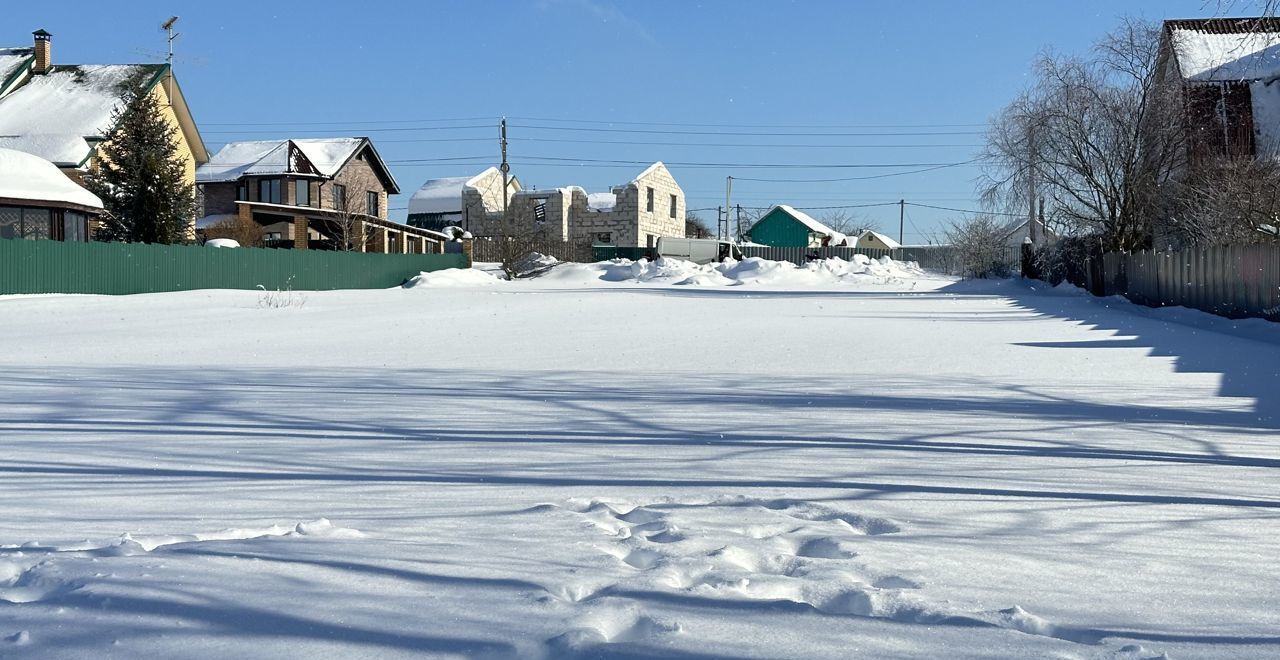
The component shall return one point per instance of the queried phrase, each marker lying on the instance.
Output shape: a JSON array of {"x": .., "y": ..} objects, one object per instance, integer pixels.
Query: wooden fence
[
  {"x": 1237, "y": 281},
  {"x": 123, "y": 268},
  {"x": 494, "y": 249}
]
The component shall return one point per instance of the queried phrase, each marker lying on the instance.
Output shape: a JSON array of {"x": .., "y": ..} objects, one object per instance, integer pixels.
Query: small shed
[{"x": 784, "y": 226}]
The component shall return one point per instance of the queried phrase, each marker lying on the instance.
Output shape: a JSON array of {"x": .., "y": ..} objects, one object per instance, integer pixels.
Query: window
[
  {"x": 540, "y": 210},
  {"x": 36, "y": 224},
  {"x": 10, "y": 222},
  {"x": 242, "y": 191},
  {"x": 371, "y": 202},
  {"x": 302, "y": 192},
  {"x": 673, "y": 206},
  {"x": 74, "y": 226},
  {"x": 339, "y": 197},
  {"x": 269, "y": 191},
  {"x": 650, "y": 240},
  {"x": 649, "y": 205}
]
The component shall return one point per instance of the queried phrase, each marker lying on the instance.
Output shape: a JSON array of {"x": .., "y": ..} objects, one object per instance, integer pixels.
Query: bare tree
[
  {"x": 348, "y": 223},
  {"x": 978, "y": 243},
  {"x": 848, "y": 223},
  {"x": 245, "y": 231},
  {"x": 696, "y": 227},
  {"x": 1225, "y": 201},
  {"x": 1092, "y": 138},
  {"x": 1263, "y": 7}
]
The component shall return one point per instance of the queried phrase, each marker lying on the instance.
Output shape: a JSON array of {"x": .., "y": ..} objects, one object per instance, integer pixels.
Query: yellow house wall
[{"x": 161, "y": 96}]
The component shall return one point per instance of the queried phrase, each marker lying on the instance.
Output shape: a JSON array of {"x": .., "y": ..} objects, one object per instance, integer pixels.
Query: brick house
[
  {"x": 309, "y": 194},
  {"x": 61, "y": 112},
  {"x": 633, "y": 214}
]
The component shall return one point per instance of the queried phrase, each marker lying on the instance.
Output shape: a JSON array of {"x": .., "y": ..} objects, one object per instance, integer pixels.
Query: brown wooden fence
[
  {"x": 494, "y": 249},
  {"x": 1235, "y": 281}
]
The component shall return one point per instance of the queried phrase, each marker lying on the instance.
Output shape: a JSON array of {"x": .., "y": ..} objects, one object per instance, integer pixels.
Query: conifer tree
[{"x": 140, "y": 177}]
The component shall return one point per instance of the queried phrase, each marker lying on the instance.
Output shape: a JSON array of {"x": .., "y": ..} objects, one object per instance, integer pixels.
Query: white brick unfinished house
[{"x": 634, "y": 214}]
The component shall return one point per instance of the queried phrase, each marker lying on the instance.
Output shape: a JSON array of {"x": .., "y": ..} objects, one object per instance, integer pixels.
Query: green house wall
[{"x": 778, "y": 229}]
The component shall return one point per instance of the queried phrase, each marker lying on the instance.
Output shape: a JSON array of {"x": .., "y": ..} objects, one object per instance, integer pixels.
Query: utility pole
[
  {"x": 902, "y": 217},
  {"x": 722, "y": 223},
  {"x": 738, "y": 225},
  {"x": 728, "y": 190},
  {"x": 505, "y": 167},
  {"x": 168, "y": 27}
]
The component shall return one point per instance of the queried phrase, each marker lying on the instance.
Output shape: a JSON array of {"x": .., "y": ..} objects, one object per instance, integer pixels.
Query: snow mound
[
  {"x": 752, "y": 271},
  {"x": 451, "y": 277},
  {"x": 222, "y": 243}
]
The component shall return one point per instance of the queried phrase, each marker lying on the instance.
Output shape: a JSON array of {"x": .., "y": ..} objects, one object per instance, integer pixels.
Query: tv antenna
[{"x": 168, "y": 27}]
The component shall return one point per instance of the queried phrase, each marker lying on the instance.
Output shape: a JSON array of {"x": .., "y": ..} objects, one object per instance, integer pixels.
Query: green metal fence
[
  {"x": 607, "y": 252},
  {"x": 123, "y": 268}
]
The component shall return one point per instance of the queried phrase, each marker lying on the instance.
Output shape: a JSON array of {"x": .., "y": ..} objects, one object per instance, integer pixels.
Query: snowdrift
[{"x": 752, "y": 271}]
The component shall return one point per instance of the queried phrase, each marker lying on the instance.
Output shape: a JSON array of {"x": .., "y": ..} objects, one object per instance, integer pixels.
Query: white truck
[{"x": 697, "y": 250}]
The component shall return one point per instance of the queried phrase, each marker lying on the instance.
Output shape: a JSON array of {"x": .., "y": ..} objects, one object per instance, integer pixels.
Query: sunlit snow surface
[{"x": 615, "y": 461}]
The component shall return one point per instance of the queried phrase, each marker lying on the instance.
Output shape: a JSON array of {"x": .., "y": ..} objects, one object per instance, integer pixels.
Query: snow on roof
[
  {"x": 266, "y": 157},
  {"x": 647, "y": 171},
  {"x": 602, "y": 201},
  {"x": 835, "y": 237},
  {"x": 329, "y": 154},
  {"x": 889, "y": 242},
  {"x": 1226, "y": 50},
  {"x": 69, "y": 100},
  {"x": 444, "y": 195},
  {"x": 27, "y": 177},
  {"x": 806, "y": 220},
  {"x": 12, "y": 59},
  {"x": 62, "y": 149}
]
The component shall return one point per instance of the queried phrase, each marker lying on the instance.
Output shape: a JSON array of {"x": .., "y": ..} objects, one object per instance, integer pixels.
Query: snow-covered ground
[{"x": 850, "y": 460}]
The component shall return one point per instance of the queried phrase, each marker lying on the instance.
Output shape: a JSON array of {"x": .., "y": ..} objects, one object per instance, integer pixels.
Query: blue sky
[{"x": 607, "y": 80}]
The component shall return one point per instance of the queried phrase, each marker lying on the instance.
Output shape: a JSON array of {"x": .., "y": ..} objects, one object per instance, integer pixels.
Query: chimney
[{"x": 44, "y": 52}]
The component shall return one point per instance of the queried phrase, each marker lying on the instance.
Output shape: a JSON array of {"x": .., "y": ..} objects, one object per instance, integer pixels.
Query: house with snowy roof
[
  {"x": 61, "y": 112},
  {"x": 1222, "y": 75},
  {"x": 634, "y": 214},
  {"x": 39, "y": 202},
  {"x": 312, "y": 193},
  {"x": 785, "y": 226},
  {"x": 874, "y": 240},
  {"x": 453, "y": 201}
]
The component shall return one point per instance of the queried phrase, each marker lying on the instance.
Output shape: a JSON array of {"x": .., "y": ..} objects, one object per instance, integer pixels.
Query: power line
[
  {"x": 373, "y": 122},
  {"x": 944, "y": 208},
  {"x": 630, "y": 163},
  {"x": 859, "y": 178},
  {"x": 656, "y": 123},
  {"x": 741, "y": 133},
  {"x": 362, "y": 130},
  {"x": 737, "y": 145},
  {"x": 748, "y": 165}
]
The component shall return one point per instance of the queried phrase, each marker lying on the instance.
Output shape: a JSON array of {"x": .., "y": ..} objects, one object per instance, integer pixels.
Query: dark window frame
[{"x": 339, "y": 197}]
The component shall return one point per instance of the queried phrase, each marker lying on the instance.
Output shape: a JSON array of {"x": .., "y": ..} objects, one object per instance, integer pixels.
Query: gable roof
[
  {"x": 806, "y": 220},
  {"x": 1225, "y": 49},
  {"x": 58, "y": 114},
  {"x": 1016, "y": 226},
  {"x": 888, "y": 242},
  {"x": 323, "y": 157},
  {"x": 13, "y": 63},
  {"x": 444, "y": 195}
]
